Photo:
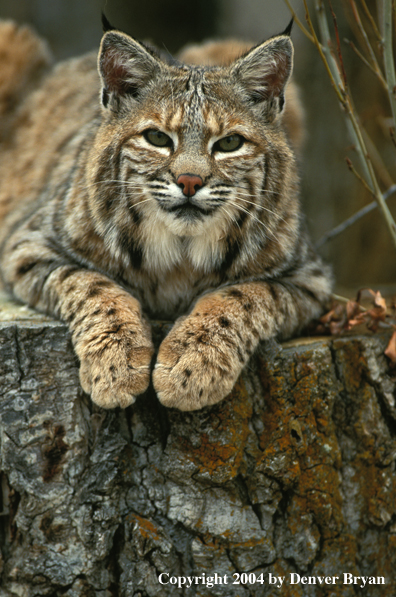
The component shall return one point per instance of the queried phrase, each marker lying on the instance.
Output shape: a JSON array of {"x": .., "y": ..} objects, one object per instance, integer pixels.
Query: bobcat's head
[{"x": 190, "y": 151}]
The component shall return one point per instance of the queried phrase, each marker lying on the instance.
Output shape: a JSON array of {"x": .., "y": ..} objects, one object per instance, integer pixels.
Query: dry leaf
[
  {"x": 390, "y": 350},
  {"x": 344, "y": 317},
  {"x": 377, "y": 313}
]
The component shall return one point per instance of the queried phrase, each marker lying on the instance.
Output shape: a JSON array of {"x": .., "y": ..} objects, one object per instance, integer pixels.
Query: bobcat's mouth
[{"x": 188, "y": 210}]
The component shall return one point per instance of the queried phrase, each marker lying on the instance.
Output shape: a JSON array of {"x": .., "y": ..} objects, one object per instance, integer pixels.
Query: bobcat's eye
[
  {"x": 230, "y": 143},
  {"x": 158, "y": 138}
]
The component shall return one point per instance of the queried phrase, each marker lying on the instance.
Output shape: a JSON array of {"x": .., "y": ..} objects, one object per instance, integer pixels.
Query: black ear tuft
[
  {"x": 106, "y": 25},
  {"x": 289, "y": 28}
]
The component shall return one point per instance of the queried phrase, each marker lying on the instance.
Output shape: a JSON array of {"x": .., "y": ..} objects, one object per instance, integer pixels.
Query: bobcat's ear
[
  {"x": 125, "y": 66},
  {"x": 264, "y": 72}
]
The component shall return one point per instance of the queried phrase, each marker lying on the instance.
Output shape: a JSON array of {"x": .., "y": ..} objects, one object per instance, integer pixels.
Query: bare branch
[
  {"x": 354, "y": 127},
  {"x": 390, "y": 74},
  {"x": 393, "y": 135},
  {"x": 365, "y": 38},
  {"x": 372, "y": 21},
  {"x": 367, "y": 63},
  {"x": 352, "y": 121},
  {"x": 353, "y": 219},
  {"x": 324, "y": 50},
  {"x": 356, "y": 173},
  {"x": 339, "y": 53}
]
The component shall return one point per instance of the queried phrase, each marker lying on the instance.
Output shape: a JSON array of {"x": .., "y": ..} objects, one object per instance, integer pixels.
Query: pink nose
[{"x": 189, "y": 184}]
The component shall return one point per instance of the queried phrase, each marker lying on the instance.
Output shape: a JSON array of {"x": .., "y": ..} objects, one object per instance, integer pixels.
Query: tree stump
[{"x": 287, "y": 487}]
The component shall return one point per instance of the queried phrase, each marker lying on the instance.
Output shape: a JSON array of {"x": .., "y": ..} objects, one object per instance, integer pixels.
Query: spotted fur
[{"x": 96, "y": 230}]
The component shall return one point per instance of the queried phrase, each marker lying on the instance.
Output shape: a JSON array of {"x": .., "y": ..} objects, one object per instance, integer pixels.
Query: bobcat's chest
[
  {"x": 169, "y": 295},
  {"x": 174, "y": 272}
]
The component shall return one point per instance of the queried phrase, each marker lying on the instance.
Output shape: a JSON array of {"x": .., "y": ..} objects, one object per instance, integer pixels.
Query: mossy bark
[{"x": 293, "y": 473}]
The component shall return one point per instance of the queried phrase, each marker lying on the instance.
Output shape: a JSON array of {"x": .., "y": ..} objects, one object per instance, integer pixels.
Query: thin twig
[
  {"x": 393, "y": 135},
  {"x": 352, "y": 120},
  {"x": 376, "y": 190},
  {"x": 377, "y": 161},
  {"x": 344, "y": 299},
  {"x": 337, "y": 82},
  {"x": 324, "y": 51},
  {"x": 356, "y": 173},
  {"x": 339, "y": 53},
  {"x": 390, "y": 74},
  {"x": 346, "y": 102},
  {"x": 372, "y": 21},
  {"x": 340, "y": 299},
  {"x": 347, "y": 223},
  {"x": 367, "y": 63},
  {"x": 366, "y": 41}
]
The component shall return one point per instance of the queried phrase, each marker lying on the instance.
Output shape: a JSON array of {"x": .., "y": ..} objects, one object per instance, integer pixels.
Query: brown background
[{"x": 363, "y": 255}]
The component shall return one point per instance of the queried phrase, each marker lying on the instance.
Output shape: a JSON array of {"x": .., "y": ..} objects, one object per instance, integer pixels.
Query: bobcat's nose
[{"x": 189, "y": 183}]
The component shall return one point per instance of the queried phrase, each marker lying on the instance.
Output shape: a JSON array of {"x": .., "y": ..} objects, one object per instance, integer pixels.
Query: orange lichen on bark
[
  {"x": 373, "y": 465},
  {"x": 300, "y": 431},
  {"x": 144, "y": 527},
  {"x": 315, "y": 402},
  {"x": 230, "y": 421},
  {"x": 319, "y": 488}
]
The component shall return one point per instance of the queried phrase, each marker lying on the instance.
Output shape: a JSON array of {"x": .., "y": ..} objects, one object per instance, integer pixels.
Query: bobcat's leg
[
  {"x": 204, "y": 353},
  {"x": 110, "y": 336}
]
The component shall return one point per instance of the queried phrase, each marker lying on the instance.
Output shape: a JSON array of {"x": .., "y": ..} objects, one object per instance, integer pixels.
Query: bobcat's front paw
[
  {"x": 114, "y": 374},
  {"x": 196, "y": 366}
]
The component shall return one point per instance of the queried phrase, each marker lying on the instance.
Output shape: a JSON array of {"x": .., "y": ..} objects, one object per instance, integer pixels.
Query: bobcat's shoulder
[
  {"x": 25, "y": 58},
  {"x": 164, "y": 190}
]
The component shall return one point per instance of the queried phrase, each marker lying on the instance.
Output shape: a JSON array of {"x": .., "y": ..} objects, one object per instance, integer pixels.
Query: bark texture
[{"x": 293, "y": 473}]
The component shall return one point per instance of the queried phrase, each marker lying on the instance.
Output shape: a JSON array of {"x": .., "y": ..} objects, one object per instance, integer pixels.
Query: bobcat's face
[
  {"x": 180, "y": 164},
  {"x": 193, "y": 164}
]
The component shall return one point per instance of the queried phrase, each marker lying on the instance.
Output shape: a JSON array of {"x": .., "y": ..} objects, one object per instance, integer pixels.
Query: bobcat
[{"x": 156, "y": 189}]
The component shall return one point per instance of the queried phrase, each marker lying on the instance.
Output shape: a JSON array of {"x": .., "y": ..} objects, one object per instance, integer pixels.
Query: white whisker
[
  {"x": 254, "y": 217},
  {"x": 142, "y": 201}
]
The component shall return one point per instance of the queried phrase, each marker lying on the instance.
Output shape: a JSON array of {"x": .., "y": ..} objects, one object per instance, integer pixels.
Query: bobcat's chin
[{"x": 187, "y": 221}]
